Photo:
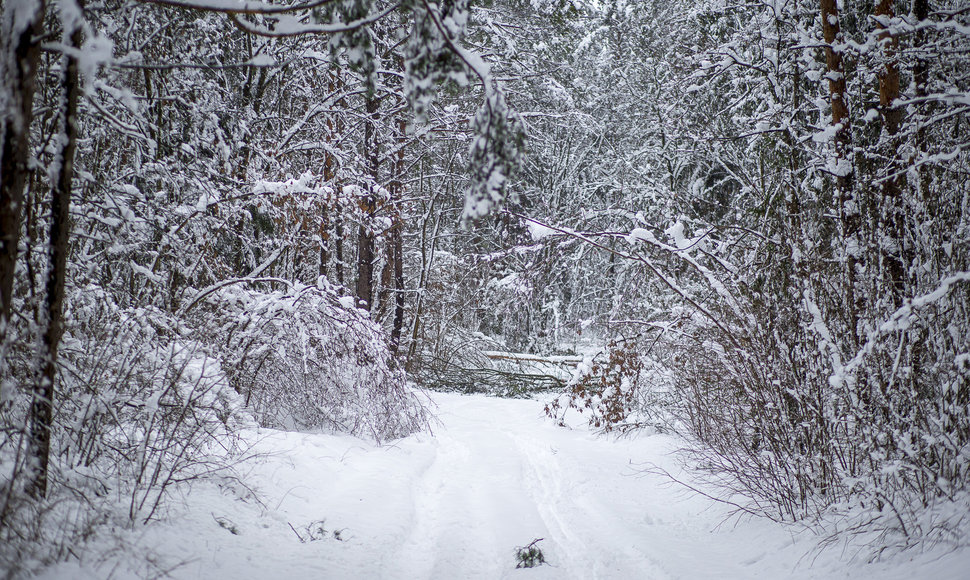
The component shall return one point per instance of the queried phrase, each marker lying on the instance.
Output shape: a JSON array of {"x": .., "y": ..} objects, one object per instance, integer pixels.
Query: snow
[
  {"x": 206, "y": 198},
  {"x": 827, "y": 134},
  {"x": 900, "y": 320},
  {"x": 676, "y": 233},
  {"x": 231, "y": 6},
  {"x": 539, "y": 231},
  {"x": 262, "y": 60},
  {"x": 494, "y": 475},
  {"x": 641, "y": 234}
]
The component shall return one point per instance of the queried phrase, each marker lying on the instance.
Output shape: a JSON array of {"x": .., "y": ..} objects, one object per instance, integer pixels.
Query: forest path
[
  {"x": 495, "y": 474},
  {"x": 503, "y": 475}
]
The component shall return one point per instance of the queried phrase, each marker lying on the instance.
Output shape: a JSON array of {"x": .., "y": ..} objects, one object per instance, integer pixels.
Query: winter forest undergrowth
[{"x": 744, "y": 227}]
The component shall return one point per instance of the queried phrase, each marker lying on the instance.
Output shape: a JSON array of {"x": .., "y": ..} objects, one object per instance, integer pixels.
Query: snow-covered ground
[{"x": 494, "y": 475}]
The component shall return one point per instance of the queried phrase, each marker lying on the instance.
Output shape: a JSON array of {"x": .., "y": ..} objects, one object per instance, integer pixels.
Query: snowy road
[
  {"x": 495, "y": 475},
  {"x": 501, "y": 478}
]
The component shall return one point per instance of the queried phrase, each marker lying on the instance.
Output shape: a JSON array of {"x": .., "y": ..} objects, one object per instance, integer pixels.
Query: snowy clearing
[{"x": 494, "y": 476}]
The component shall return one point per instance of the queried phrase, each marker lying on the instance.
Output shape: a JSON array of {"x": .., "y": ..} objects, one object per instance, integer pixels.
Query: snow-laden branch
[
  {"x": 231, "y": 281},
  {"x": 494, "y": 152},
  {"x": 656, "y": 270},
  {"x": 901, "y": 319},
  {"x": 287, "y": 25},
  {"x": 683, "y": 252},
  {"x": 238, "y": 6},
  {"x": 471, "y": 60}
]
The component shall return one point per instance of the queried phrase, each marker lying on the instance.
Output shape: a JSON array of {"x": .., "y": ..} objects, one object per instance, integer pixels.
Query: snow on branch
[
  {"x": 436, "y": 54},
  {"x": 900, "y": 320},
  {"x": 656, "y": 270},
  {"x": 287, "y": 25},
  {"x": 239, "y": 6}
]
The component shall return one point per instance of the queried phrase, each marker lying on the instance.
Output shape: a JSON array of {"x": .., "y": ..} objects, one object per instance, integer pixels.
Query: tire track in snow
[
  {"x": 495, "y": 484},
  {"x": 468, "y": 511},
  {"x": 585, "y": 538},
  {"x": 455, "y": 506}
]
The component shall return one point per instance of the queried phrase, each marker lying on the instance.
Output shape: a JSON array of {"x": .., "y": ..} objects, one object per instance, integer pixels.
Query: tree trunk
[
  {"x": 891, "y": 238},
  {"x": 20, "y": 33},
  {"x": 338, "y": 246},
  {"x": 921, "y": 11},
  {"x": 889, "y": 76},
  {"x": 397, "y": 241},
  {"x": 368, "y": 206},
  {"x": 331, "y": 206},
  {"x": 365, "y": 256},
  {"x": 427, "y": 257},
  {"x": 848, "y": 205},
  {"x": 41, "y": 408},
  {"x": 835, "y": 69}
]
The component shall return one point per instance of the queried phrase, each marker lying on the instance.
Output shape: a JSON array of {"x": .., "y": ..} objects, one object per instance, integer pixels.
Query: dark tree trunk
[
  {"x": 398, "y": 248},
  {"x": 324, "y": 232},
  {"x": 338, "y": 228},
  {"x": 365, "y": 254},
  {"x": 41, "y": 409},
  {"x": 397, "y": 241},
  {"x": 893, "y": 227},
  {"x": 848, "y": 205},
  {"x": 18, "y": 71},
  {"x": 921, "y": 11},
  {"x": 330, "y": 206},
  {"x": 365, "y": 257},
  {"x": 338, "y": 247},
  {"x": 835, "y": 69},
  {"x": 368, "y": 205},
  {"x": 889, "y": 75}
]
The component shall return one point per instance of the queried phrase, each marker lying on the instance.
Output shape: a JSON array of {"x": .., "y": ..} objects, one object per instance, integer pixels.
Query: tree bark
[
  {"x": 18, "y": 71},
  {"x": 889, "y": 76},
  {"x": 338, "y": 246},
  {"x": 893, "y": 254},
  {"x": 921, "y": 11},
  {"x": 368, "y": 206},
  {"x": 41, "y": 409},
  {"x": 330, "y": 206},
  {"x": 397, "y": 240},
  {"x": 847, "y": 204},
  {"x": 835, "y": 69},
  {"x": 365, "y": 256},
  {"x": 427, "y": 257}
]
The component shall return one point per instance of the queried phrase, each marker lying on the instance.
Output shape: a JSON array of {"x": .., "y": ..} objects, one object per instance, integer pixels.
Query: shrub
[
  {"x": 604, "y": 387},
  {"x": 302, "y": 360},
  {"x": 139, "y": 410}
]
